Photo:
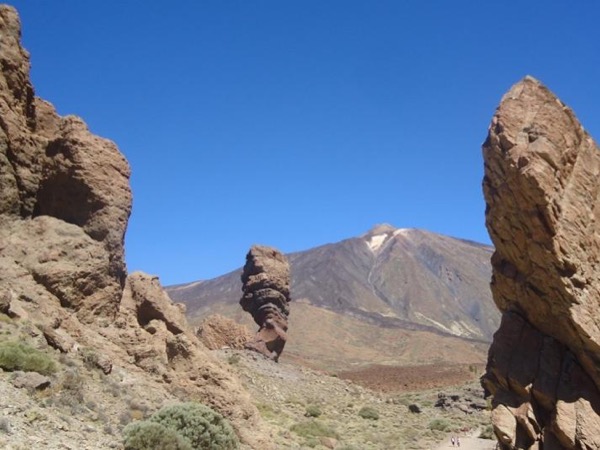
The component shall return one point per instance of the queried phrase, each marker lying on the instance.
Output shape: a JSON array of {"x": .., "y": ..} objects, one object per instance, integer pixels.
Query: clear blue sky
[{"x": 297, "y": 123}]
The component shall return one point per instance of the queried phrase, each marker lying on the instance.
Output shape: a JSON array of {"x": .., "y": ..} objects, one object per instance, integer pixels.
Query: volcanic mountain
[{"x": 381, "y": 290}]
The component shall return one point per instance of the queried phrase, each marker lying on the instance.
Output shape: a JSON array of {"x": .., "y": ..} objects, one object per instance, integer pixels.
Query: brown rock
[
  {"x": 64, "y": 205},
  {"x": 59, "y": 340},
  {"x": 328, "y": 442},
  {"x": 30, "y": 380},
  {"x": 61, "y": 186},
  {"x": 542, "y": 188},
  {"x": 217, "y": 332},
  {"x": 5, "y": 302},
  {"x": 266, "y": 288}
]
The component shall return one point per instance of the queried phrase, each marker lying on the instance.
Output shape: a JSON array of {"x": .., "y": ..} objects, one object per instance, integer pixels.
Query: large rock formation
[
  {"x": 542, "y": 187},
  {"x": 266, "y": 287},
  {"x": 64, "y": 204},
  {"x": 65, "y": 193}
]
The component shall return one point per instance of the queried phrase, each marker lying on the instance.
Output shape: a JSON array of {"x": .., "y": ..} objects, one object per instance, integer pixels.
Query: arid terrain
[
  {"x": 314, "y": 409},
  {"x": 377, "y": 342}
]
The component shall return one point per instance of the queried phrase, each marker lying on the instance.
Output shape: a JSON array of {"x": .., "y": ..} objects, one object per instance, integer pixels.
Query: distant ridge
[{"x": 390, "y": 277}]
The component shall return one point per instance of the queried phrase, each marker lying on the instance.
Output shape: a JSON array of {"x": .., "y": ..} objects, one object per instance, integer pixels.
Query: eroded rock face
[
  {"x": 55, "y": 173},
  {"x": 266, "y": 287},
  {"x": 542, "y": 190},
  {"x": 64, "y": 204}
]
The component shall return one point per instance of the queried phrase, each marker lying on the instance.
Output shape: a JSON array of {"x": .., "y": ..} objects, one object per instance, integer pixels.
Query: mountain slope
[{"x": 398, "y": 278}]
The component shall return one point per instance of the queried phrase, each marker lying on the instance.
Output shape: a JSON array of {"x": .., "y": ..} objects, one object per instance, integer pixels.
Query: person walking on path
[
  {"x": 452, "y": 440},
  {"x": 457, "y": 441}
]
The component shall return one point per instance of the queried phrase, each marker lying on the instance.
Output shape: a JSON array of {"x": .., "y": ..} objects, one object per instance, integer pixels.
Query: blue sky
[{"x": 298, "y": 123}]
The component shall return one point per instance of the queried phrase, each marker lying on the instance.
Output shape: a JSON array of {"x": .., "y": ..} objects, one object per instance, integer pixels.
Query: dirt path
[{"x": 467, "y": 443}]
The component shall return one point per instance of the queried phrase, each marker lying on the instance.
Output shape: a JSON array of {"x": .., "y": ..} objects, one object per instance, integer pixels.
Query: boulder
[
  {"x": 542, "y": 189},
  {"x": 266, "y": 296},
  {"x": 218, "y": 332},
  {"x": 30, "y": 380}
]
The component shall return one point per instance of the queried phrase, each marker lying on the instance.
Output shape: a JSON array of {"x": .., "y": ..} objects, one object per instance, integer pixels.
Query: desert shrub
[
  {"x": 311, "y": 442},
  {"x": 200, "y": 425},
  {"x": 487, "y": 433},
  {"x": 313, "y": 428},
  {"x": 439, "y": 425},
  {"x": 152, "y": 436},
  {"x": 5, "y": 425},
  {"x": 234, "y": 359},
  {"x": 20, "y": 356},
  {"x": 313, "y": 411},
  {"x": 367, "y": 412},
  {"x": 90, "y": 358}
]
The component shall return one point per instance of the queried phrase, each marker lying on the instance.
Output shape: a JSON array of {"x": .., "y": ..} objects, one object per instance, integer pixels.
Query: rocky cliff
[
  {"x": 64, "y": 206},
  {"x": 542, "y": 189}
]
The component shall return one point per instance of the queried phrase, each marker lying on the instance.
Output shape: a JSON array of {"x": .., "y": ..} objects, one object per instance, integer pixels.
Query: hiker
[
  {"x": 452, "y": 440},
  {"x": 457, "y": 441}
]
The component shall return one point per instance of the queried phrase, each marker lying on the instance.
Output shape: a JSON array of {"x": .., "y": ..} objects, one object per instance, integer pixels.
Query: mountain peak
[
  {"x": 378, "y": 235},
  {"x": 381, "y": 228}
]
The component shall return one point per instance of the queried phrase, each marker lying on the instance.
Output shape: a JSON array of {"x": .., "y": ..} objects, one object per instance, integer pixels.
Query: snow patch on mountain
[{"x": 377, "y": 241}]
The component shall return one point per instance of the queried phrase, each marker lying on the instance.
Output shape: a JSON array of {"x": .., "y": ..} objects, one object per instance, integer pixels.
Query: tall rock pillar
[
  {"x": 542, "y": 189},
  {"x": 266, "y": 296}
]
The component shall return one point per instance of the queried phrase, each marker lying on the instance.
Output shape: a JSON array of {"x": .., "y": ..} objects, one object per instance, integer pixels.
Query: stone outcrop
[
  {"x": 217, "y": 332},
  {"x": 266, "y": 296},
  {"x": 64, "y": 205},
  {"x": 542, "y": 187},
  {"x": 64, "y": 190}
]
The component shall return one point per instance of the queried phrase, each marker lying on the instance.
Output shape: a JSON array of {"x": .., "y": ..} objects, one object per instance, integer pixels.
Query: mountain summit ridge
[{"x": 393, "y": 277}]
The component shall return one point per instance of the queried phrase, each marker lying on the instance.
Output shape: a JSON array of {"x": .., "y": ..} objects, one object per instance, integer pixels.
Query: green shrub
[
  {"x": 204, "y": 428},
  {"x": 234, "y": 359},
  {"x": 20, "y": 356},
  {"x": 487, "y": 433},
  {"x": 153, "y": 436},
  {"x": 367, "y": 412},
  {"x": 313, "y": 411},
  {"x": 312, "y": 429},
  {"x": 439, "y": 425}
]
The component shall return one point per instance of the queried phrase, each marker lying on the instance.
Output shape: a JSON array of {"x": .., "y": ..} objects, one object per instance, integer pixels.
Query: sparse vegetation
[
  {"x": 487, "y": 433},
  {"x": 439, "y": 425},
  {"x": 195, "y": 425},
  {"x": 4, "y": 425},
  {"x": 313, "y": 411},
  {"x": 368, "y": 412},
  {"x": 90, "y": 358},
  {"x": 234, "y": 359},
  {"x": 313, "y": 429},
  {"x": 20, "y": 356}
]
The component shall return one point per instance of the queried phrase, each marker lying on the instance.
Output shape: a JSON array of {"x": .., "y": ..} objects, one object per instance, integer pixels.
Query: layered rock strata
[
  {"x": 266, "y": 296},
  {"x": 542, "y": 188},
  {"x": 64, "y": 205}
]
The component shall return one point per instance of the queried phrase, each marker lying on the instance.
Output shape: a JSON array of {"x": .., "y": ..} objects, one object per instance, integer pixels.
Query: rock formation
[
  {"x": 64, "y": 190},
  {"x": 64, "y": 205},
  {"x": 217, "y": 332},
  {"x": 542, "y": 187},
  {"x": 266, "y": 287}
]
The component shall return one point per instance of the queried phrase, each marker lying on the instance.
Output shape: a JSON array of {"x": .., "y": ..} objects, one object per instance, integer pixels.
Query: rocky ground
[
  {"x": 312, "y": 409},
  {"x": 85, "y": 408},
  {"x": 82, "y": 408}
]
